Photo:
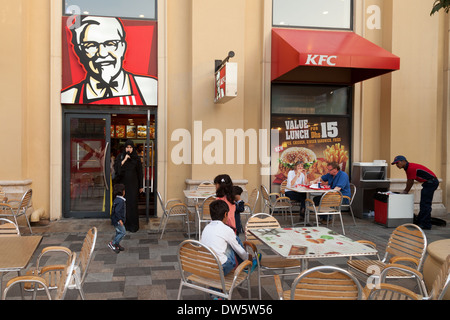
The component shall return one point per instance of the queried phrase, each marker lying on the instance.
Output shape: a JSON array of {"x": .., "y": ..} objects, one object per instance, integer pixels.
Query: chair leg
[
  {"x": 28, "y": 221},
  {"x": 353, "y": 216},
  {"x": 179, "y": 290},
  {"x": 164, "y": 227},
  {"x": 79, "y": 286},
  {"x": 342, "y": 223},
  {"x": 188, "y": 226}
]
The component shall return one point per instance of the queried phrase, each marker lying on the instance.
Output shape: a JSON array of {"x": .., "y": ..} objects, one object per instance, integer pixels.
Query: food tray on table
[{"x": 313, "y": 187}]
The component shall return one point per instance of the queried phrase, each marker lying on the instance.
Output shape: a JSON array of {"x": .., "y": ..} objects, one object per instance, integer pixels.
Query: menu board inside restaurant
[{"x": 313, "y": 140}]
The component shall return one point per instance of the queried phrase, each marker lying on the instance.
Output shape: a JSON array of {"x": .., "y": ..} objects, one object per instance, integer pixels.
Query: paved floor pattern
[{"x": 148, "y": 268}]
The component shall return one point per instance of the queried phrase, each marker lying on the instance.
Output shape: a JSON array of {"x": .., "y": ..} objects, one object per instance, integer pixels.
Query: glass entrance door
[{"x": 87, "y": 191}]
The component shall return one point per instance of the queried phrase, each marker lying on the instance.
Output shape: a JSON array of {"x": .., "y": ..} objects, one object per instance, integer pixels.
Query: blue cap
[{"x": 398, "y": 159}]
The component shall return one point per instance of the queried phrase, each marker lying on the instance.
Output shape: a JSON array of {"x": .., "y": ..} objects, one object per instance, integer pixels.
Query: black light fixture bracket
[{"x": 220, "y": 63}]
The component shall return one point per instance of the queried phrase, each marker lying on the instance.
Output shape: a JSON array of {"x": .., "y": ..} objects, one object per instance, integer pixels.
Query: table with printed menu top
[{"x": 306, "y": 243}]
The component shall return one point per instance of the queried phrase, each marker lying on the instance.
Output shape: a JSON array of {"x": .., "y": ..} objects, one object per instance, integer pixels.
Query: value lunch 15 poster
[{"x": 313, "y": 140}]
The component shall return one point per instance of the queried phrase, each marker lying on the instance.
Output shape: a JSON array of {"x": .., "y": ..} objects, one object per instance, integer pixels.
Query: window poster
[{"x": 313, "y": 140}]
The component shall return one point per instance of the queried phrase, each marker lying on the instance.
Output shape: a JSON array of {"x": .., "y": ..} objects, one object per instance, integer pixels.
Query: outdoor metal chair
[
  {"x": 407, "y": 245},
  {"x": 53, "y": 273},
  {"x": 385, "y": 291},
  {"x": 165, "y": 207},
  {"x": 268, "y": 263},
  {"x": 322, "y": 283},
  {"x": 201, "y": 269},
  {"x": 252, "y": 201},
  {"x": 8, "y": 228},
  {"x": 330, "y": 204},
  {"x": 350, "y": 201},
  {"x": 280, "y": 203},
  {"x": 16, "y": 208},
  {"x": 176, "y": 211},
  {"x": 65, "y": 280},
  {"x": 203, "y": 215}
]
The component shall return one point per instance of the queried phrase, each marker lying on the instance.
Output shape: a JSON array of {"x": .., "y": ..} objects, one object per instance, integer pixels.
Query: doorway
[{"x": 91, "y": 141}]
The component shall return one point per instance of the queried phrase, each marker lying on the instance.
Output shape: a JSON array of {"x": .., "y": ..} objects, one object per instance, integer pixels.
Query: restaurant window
[
  {"x": 134, "y": 9},
  {"x": 314, "y": 124},
  {"x": 330, "y": 14}
]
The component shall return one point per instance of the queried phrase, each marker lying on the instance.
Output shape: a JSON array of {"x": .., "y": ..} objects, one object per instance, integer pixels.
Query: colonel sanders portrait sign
[{"x": 109, "y": 61}]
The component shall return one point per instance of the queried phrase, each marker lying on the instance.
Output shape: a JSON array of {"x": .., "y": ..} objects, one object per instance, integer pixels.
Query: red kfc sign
[{"x": 226, "y": 83}]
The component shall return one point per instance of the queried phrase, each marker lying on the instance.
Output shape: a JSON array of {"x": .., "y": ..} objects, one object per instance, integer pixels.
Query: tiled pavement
[{"x": 148, "y": 268}]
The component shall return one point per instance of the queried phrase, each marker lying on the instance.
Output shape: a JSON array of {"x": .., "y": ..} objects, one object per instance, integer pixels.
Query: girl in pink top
[{"x": 224, "y": 191}]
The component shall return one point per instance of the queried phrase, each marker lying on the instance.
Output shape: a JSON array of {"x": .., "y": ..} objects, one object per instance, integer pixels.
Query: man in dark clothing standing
[{"x": 429, "y": 182}]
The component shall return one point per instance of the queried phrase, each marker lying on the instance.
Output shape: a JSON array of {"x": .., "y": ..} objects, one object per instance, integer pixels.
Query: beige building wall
[
  {"x": 405, "y": 112},
  {"x": 24, "y": 102}
]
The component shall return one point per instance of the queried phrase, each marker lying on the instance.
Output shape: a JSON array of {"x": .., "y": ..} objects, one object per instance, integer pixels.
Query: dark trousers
[
  {"x": 297, "y": 196},
  {"x": 426, "y": 199}
]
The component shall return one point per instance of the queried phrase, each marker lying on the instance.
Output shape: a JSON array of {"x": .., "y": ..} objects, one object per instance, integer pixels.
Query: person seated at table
[
  {"x": 221, "y": 238},
  {"x": 240, "y": 207},
  {"x": 337, "y": 180},
  {"x": 224, "y": 191},
  {"x": 296, "y": 177}
]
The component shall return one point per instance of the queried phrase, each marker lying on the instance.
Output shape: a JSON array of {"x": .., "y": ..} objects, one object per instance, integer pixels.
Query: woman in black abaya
[{"x": 128, "y": 170}]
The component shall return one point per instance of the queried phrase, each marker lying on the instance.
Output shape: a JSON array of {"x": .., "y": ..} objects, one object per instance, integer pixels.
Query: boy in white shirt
[{"x": 222, "y": 239}]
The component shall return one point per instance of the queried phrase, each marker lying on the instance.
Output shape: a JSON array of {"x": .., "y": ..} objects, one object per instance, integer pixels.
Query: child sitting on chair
[{"x": 222, "y": 239}]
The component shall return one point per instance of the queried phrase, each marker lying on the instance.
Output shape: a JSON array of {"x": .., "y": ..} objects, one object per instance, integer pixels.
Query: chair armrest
[
  {"x": 401, "y": 267},
  {"x": 22, "y": 279},
  {"x": 55, "y": 267},
  {"x": 172, "y": 200},
  {"x": 251, "y": 245},
  {"x": 278, "y": 286},
  {"x": 245, "y": 264},
  {"x": 367, "y": 243},
  {"x": 393, "y": 287},
  {"x": 56, "y": 249},
  {"x": 404, "y": 259},
  {"x": 346, "y": 197},
  {"x": 5, "y": 205},
  {"x": 49, "y": 250}
]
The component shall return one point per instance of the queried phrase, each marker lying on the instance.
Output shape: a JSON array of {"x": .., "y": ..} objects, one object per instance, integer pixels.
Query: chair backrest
[
  {"x": 66, "y": 277},
  {"x": 331, "y": 199},
  {"x": 442, "y": 281},
  {"x": 253, "y": 200},
  {"x": 408, "y": 240},
  {"x": 352, "y": 192},
  {"x": 265, "y": 194},
  {"x": 8, "y": 228},
  {"x": 206, "y": 186},
  {"x": 326, "y": 283},
  {"x": 283, "y": 187},
  {"x": 204, "y": 208},
  {"x": 259, "y": 221},
  {"x": 87, "y": 251},
  {"x": 197, "y": 259},
  {"x": 26, "y": 200}
]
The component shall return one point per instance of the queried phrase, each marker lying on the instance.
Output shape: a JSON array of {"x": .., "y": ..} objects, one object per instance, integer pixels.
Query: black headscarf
[{"x": 133, "y": 154}]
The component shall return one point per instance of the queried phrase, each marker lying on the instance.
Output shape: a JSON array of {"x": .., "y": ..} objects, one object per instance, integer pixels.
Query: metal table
[
  {"x": 306, "y": 243},
  {"x": 16, "y": 252}
]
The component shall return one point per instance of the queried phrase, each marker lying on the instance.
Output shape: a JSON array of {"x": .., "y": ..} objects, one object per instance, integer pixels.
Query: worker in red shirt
[{"x": 429, "y": 182}]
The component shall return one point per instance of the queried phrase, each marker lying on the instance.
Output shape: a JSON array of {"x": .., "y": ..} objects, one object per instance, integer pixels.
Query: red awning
[{"x": 327, "y": 57}]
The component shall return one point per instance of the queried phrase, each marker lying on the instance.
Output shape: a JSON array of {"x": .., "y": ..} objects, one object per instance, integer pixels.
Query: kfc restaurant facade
[{"x": 344, "y": 80}]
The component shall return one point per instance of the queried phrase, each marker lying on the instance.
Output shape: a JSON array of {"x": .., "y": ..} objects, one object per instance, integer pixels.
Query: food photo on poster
[{"x": 312, "y": 140}]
